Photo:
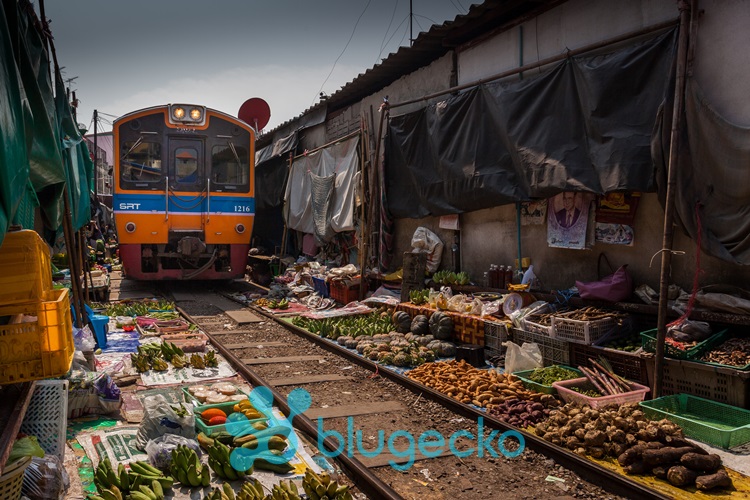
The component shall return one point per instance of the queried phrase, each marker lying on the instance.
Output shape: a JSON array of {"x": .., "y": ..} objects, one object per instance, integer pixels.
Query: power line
[
  {"x": 395, "y": 32},
  {"x": 390, "y": 23},
  {"x": 342, "y": 52}
]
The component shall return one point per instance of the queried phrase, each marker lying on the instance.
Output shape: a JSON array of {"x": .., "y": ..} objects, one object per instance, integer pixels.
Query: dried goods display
[{"x": 732, "y": 352}]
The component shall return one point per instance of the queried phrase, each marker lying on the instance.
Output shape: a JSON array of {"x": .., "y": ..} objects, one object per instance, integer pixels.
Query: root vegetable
[
  {"x": 679, "y": 475},
  {"x": 596, "y": 451},
  {"x": 660, "y": 472},
  {"x": 662, "y": 456},
  {"x": 679, "y": 442},
  {"x": 580, "y": 434},
  {"x": 572, "y": 443},
  {"x": 635, "y": 469},
  {"x": 718, "y": 480},
  {"x": 595, "y": 438},
  {"x": 617, "y": 436},
  {"x": 704, "y": 464},
  {"x": 631, "y": 455}
]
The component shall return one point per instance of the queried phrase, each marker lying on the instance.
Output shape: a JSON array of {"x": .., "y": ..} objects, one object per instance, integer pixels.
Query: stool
[{"x": 99, "y": 323}]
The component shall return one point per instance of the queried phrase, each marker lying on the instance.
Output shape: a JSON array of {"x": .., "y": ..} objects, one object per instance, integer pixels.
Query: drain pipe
[{"x": 365, "y": 480}]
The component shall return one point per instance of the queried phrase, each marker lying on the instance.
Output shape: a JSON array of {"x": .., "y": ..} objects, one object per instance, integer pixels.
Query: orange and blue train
[{"x": 183, "y": 193}]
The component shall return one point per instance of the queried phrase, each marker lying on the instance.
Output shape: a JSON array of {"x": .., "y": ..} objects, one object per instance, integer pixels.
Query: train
[{"x": 183, "y": 193}]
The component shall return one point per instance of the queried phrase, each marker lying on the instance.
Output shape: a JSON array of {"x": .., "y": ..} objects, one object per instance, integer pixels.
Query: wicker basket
[{"x": 11, "y": 481}]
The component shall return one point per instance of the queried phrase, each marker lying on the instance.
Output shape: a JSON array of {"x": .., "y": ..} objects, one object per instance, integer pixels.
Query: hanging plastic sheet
[{"x": 583, "y": 125}]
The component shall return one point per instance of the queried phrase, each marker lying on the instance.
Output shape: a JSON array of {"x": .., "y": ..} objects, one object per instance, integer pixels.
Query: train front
[{"x": 184, "y": 195}]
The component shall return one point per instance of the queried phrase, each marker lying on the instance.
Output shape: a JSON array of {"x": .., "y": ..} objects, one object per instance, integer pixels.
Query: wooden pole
[
  {"x": 84, "y": 263},
  {"x": 75, "y": 285},
  {"x": 286, "y": 208},
  {"x": 666, "y": 249},
  {"x": 361, "y": 243},
  {"x": 375, "y": 186}
]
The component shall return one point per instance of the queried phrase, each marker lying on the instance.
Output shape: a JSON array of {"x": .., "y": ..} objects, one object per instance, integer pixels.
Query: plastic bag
[
  {"x": 159, "y": 450},
  {"x": 616, "y": 287},
  {"x": 457, "y": 303},
  {"x": 45, "y": 479},
  {"x": 83, "y": 339},
  {"x": 520, "y": 358},
  {"x": 25, "y": 447},
  {"x": 160, "y": 417},
  {"x": 428, "y": 242}
]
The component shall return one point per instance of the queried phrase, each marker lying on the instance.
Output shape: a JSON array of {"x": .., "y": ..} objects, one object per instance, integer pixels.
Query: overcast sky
[{"x": 131, "y": 54}]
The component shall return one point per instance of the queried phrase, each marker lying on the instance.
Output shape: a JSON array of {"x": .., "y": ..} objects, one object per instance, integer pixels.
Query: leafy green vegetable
[{"x": 546, "y": 376}]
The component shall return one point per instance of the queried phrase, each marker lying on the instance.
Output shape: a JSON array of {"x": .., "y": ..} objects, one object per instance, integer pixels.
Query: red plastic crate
[{"x": 345, "y": 291}]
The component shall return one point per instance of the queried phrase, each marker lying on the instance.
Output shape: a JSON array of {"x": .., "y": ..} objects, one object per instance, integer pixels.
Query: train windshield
[
  {"x": 141, "y": 162},
  {"x": 229, "y": 168}
]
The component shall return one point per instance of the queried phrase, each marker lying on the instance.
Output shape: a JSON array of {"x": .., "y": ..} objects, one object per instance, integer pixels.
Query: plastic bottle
[{"x": 508, "y": 276}]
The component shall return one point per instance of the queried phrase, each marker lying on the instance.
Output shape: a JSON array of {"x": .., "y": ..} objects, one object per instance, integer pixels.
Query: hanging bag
[{"x": 616, "y": 287}]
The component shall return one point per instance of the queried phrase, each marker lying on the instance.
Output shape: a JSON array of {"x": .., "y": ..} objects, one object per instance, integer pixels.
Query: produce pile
[
  {"x": 733, "y": 352},
  {"x": 525, "y": 414},
  {"x": 419, "y": 297},
  {"x": 273, "y": 303},
  {"x": 135, "y": 307},
  {"x": 139, "y": 481},
  {"x": 484, "y": 388},
  {"x": 352, "y": 326},
  {"x": 546, "y": 376},
  {"x": 603, "y": 379},
  {"x": 591, "y": 313},
  {"x": 154, "y": 356},
  {"x": 641, "y": 446},
  {"x": 451, "y": 278},
  {"x": 630, "y": 342}
]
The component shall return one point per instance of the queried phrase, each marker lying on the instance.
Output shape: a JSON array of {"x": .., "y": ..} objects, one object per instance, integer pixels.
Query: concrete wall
[{"x": 721, "y": 68}]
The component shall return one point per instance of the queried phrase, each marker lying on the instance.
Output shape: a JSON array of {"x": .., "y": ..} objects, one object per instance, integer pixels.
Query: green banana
[
  {"x": 229, "y": 472},
  {"x": 91, "y": 496},
  {"x": 263, "y": 464},
  {"x": 157, "y": 489},
  {"x": 148, "y": 467},
  {"x": 109, "y": 494},
  {"x": 138, "y": 495},
  {"x": 192, "y": 476},
  {"x": 124, "y": 478},
  {"x": 135, "y": 481},
  {"x": 228, "y": 491},
  {"x": 182, "y": 476},
  {"x": 147, "y": 491},
  {"x": 205, "y": 477}
]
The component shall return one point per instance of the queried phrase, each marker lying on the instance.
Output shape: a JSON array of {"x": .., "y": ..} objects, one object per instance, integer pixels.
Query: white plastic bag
[
  {"x": 520, "y": 358},
  {"x": 45, "y": 479},
  {"x": 426, "y": 241},
  {"x": 161, "y": 417},
  {"x": 159, "y": 450}
]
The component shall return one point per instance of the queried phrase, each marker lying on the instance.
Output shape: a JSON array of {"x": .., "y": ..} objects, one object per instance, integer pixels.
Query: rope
[{"x": 696, "y": 276}]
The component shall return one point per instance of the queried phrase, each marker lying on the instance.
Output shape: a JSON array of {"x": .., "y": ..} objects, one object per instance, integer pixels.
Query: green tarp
[{"x": 41, "y": 148}]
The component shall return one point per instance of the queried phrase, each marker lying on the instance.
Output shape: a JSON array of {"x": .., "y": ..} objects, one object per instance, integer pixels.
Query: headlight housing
[{"x": 187, "y": 114}]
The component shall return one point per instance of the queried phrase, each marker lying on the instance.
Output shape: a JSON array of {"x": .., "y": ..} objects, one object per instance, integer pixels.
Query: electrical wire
[
  {"x": 342, "y": 52},
  {"x": 390, "y": 23}
]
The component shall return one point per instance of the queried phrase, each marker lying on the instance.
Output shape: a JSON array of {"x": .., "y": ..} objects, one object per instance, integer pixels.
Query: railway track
[{"x": 354, "y": 399}]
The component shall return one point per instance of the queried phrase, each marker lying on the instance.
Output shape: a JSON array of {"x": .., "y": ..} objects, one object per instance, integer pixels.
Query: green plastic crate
[
  {"x": 227, "y": 408},
  {"x": 716, "y": 342},
  {"x": 648, "y": 339},
  {"x": 536, "y": 386},
  {"x": 702, "y": 419}
]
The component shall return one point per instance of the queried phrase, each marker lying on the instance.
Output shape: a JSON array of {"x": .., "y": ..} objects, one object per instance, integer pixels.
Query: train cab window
[
  {"x": 140, "y": 165},
  {"x": 229, "y": 168},
  {"x": 186, "y": 165}
]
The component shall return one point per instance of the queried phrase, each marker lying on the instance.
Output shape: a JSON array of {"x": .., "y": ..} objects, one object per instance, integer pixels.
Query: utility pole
[
  {"x": 411, "y": 24},
  {"x": 96, "y": 157}
]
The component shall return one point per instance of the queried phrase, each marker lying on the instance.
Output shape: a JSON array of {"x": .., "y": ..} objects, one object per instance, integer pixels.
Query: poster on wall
[
  {"x": 614, "y": 234},
  {"x": 533, "y": 212},
  {"x": 567, "y": 220}
]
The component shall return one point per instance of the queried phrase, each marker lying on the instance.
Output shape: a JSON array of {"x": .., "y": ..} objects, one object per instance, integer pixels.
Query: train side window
[
  {"x": 229, "y": 168},
  {"x": 141, "y": 163}
]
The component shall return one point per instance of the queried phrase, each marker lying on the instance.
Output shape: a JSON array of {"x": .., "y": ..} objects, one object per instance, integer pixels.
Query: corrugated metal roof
[{"x": 481, "y": 19}]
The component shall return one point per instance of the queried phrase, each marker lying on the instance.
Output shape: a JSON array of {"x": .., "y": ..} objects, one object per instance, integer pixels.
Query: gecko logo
[
  {"x": 238, "y": 425},
  {"x": 430, "y": 443}
]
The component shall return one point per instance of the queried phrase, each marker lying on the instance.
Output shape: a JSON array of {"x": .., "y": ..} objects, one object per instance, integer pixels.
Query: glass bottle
[{"x": 508, "y": 278}]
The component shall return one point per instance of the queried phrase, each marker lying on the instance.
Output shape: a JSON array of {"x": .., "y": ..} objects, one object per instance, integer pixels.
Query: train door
[{"x": 187, "y": 179}]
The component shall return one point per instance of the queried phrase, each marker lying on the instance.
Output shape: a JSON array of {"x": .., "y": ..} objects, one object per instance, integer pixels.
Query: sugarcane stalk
[
  {"x": 593, "y": 379},
  {"x": 627, "y": 385}
]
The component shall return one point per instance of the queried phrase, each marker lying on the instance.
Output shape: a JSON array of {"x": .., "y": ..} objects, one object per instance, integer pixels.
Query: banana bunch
[
  {"x": 322, "y": 487},
  {"x": 227, "y": 493},
  {"x": 187, "y": 468},
  {"x": 285, "y": 490},
  {"x": 169, "y": 350},
  {"x": 281, "y": 304},
  {"x": 251, "y": 491},
  {"x": 218, "y": 460},
  {"x": 262, "y": 302},
  {"x": 150, "y": 350},
  {"x": 210, "y": 359},
  {"x": 197, "y": 361},
  {"x": 159, "y": 365},
  {"x": 179, "y": 361},
  {"x": 140, "y": 362},
  {"x": 143, "y": 482}
]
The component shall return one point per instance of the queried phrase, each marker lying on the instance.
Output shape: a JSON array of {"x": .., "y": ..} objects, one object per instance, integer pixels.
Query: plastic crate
[
  {"x": 554, "y": 351},
  {"x": 321, "y": 287},
  {"x": 533, "y": 327},
  {"x": 25, "y": 270},
  {"x": 716, "y": 342},
  {"x": 630, "y": 365},
  {"x": 11, "y": 481},
  {"x": 41, "y": 349},
  {"x": 648, "y": 340},
  {"x": 723, "y": 385},
  {"x": 345, "y": 291},
  {"x": 47, "y": 416},
  {"x": 227, "y": 408},
  {"x": 536, "y": 386},
  {"x": 570, "y": 396},
  {"x": 708, "y": 421},
  {"x": 581, "y": 332},
  {"x": 495, "y": 333}
]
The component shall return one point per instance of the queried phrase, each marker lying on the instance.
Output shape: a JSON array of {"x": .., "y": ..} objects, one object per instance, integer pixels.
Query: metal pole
[
  {"x": 286, "y": 208},
  {"x": 666, "y": 251},
  {"x": 96, "y": 157},
  {"x": 411, "y": 24},
  {"x": 362, "y": 246}
]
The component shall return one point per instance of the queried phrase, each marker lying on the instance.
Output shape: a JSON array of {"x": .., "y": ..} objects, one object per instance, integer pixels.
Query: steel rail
[
  {"x": 364, "y": 479},
  {"x": 608, "y": 480}
]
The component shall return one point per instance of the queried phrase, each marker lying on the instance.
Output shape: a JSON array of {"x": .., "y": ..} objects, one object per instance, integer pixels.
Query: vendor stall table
[{"x": 467, "y": 328}]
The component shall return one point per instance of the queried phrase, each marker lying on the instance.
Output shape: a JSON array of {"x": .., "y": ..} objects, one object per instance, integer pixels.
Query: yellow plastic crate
[
  {"x": 25, "y": 270},
  {"x": 39, "y": 349}
]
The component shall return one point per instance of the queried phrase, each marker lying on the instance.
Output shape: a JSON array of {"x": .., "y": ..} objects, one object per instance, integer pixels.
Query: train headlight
[
  {"x": 240, "y": 228},
  {"x": 130, "y": 227},
  {"x": 196, "y": 114},
  {"x": 178, "y": 113}
]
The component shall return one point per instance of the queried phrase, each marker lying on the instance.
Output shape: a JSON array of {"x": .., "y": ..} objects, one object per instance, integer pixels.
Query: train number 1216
[{"x": 242, "y": 208}]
